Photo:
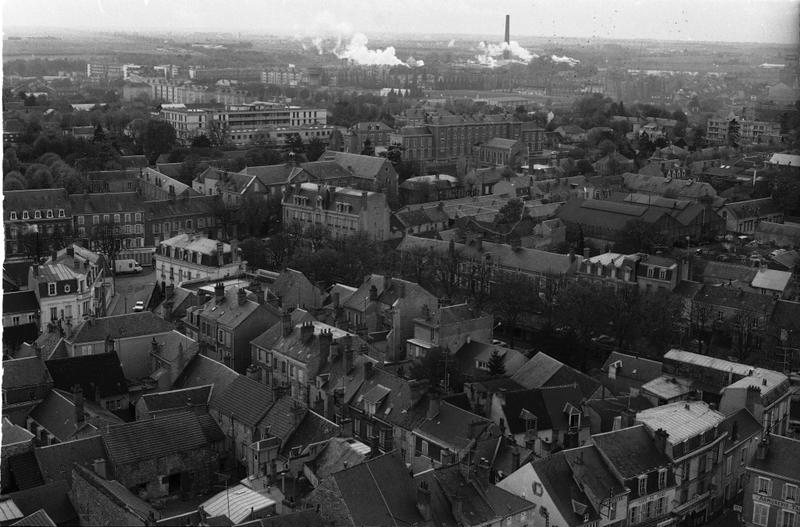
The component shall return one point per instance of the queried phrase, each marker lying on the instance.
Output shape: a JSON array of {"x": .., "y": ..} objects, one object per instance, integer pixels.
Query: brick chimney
[
  {"x": 348, "y": 359},
  {"x": 219, "y": 292},
  {"x": 286, "y": 323},
  {"x": 325, "y": 340},
  {"x": 241, "y": 294},
  {"x": 424, "y": 501},
  {"x": 306, "y": 331},
  {"x": 373, "y": 293},
  {"x": 220, "y": 253},
  {"x": 483, "y": 472},
  {"x": 368, "y": 370},
  {"x": 660, "y": 440}
]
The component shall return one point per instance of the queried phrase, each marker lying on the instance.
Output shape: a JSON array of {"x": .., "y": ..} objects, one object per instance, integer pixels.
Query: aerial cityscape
[{"x": 306, "y": 264}]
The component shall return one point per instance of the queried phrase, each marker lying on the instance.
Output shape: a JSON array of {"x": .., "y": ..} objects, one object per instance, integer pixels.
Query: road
[{"x": 130, "y": 289}]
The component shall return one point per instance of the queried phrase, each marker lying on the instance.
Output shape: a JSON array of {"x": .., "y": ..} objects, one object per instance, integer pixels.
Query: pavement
[{"x": 131, "y": 288}]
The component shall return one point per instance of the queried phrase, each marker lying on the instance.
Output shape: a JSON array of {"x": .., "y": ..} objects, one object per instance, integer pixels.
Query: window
[
  {"x": 37, "y": 214},
  {"x": 15, "y": 320},
  {"x": 116, "y": 218},
  {"x": 106, "y": 218},
  {"x": 660, "y": 506},
  {"x": 138, "y": 216},
  {"x": 25, "y": 215},
  {"x": 51, "y": 289},
  {"x": 642, "y": 485},
  {"x": 80, "y": 220},
  {"x": 764, "y": 486},
  {"x": 424, "y": 448},
  {"x": 49, "y": 213},
  {"x": 662, "y": 478},
  {"x": 634, "y": 515},
  {"x": 127, "y": 217},
  {"x": 760, "y": 514},
  {"x": 13, "y": 215},
  {"x": 53, "y": 314},
  {"x": 790, "y": 492},
  {"x": 61, "y": 213},
  {"x": 743, "y": 455},
  {"x": 66, "y": 288},
  {"x": 95, "y": 219},
  {"x": 788, "y": 518}
]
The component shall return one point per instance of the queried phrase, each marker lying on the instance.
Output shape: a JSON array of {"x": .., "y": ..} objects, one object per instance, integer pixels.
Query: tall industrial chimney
[{"x": 507, "y": 52}]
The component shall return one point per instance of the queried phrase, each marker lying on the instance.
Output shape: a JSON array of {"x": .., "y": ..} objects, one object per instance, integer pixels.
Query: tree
[
  {"x": 512, "y": 296},
  {"x": 510, "y": 213},
  {"x": 38, "y": 176},
  {"x": 99, "y": 134},
  {"x": 315, "y": 149},
  {"x": 369, "y": 149},
  {"x": 496, "y": 366},
  {"x": 158, "y": 137},
  {"x": 733, "y": 133},
  {"x": 295, "y": 145},
  {"x": 13, "y": 181},
  {"x": 201, "y": 141}
]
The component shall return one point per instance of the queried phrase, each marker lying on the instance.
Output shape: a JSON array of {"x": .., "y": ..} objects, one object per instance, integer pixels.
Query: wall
[
  {"x": 95, "y": 507},
  {"x": 199, "y": 464},
  {"x": 329, "y": 498},
  {"x": 526, "y": 484}
]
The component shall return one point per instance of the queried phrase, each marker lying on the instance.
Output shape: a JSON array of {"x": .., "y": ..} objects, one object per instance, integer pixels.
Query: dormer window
[
  {"x": 37, "y": 215},
  {"x": 49, "y": 213},
  {"x": 51, "y": 289},
  {"x": 642, "y": 485},
  {"x": 61, "y": 213},
  {"x": 662, "y": 478},
  {"x": 25, "y": 215},
  {"x": 12, "y": 215}
]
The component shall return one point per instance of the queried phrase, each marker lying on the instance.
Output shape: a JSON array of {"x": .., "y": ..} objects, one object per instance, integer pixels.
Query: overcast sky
[{"x": 697, "y": 20}]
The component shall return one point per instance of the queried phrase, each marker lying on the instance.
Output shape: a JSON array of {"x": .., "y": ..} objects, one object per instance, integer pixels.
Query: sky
[{"x": 685, "y": 20}]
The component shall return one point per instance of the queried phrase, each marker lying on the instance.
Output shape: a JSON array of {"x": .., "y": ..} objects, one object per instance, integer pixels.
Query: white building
[
  {"x": 66, "y": 294},
  {"x": 191, "y": 257}
]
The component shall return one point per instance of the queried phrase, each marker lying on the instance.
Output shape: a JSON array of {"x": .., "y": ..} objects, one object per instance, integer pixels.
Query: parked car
[{"x": 139, "y": 306}]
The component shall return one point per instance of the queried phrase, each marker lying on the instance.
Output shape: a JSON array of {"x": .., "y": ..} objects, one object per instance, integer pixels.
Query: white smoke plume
[
  {"x": 358, "y": 52},
  {"x": 489, "y": 54},
  {"x": 414, "y": 63},
  {"x": 565, "y": 60}
]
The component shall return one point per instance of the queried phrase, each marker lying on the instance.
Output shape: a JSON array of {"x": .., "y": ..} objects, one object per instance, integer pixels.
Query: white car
[{"x": 139, "y": 306}]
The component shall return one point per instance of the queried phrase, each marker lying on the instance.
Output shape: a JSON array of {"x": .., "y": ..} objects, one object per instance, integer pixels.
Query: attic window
[
  {"x": 13, "y": 215},
  {"x": 37, "y": 214},
  {"x": 25, "y": 215},
  {"x": 642, "y": 485}
]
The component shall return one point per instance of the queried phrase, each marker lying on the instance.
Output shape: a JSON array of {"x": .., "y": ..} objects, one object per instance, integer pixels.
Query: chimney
[
  {"x": 387, "y": 282},
  {"x": 433, "y": 404},
  {"x": 220, "y": 253},
  {"x": 170, "y": 290},
  {"x": 617, "y": 423},
  {"x": 364, "y": 200},
  {"x": 763, "y": 448},
  {"x": 286, "y": 323},
  {"x": 77, "y": 397},
  {"x": 253, "y": 372},
  {"x": 660, "y": 440},
  {"x": 373, "y": 293},
  {"x": 424, "y": 501},
  {"x": 76, "y": 264},
  {"x": 242, "y": 296},
  {"x": 586, "y": 253},
  {"x": 306, "y": 331},
  {"x": 508, "y": 29},
  {"x": 348, "y": 359},
  {"x": 325, "y": 340},
  {"x": 99, "y": 466},
  {"x": 71, "y": 250},
  {"x": 752, "y": 399},
  {"x": 219, "y": 292},
  {"x": 515, "y": 458},
  {"x": 483, "y": 471},
  {"x": 54, "y": 255},
  {"x": 734, "y": 431},
  {"x": 368, "y": 371}
]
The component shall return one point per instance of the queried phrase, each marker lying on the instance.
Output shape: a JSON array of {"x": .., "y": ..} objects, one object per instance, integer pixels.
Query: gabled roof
[
  {"x": 145, "y": 440},
  {"x": 246, "y": 400},
  {"x": 23, "y": 373},
  {"x": 13, "y": 434},
  {"x": 39, "y": 518},
  {"x": 542, "y": 370},
  {"x": 735, "y": 298},
  {"x": 272, "y": 175},
  {"x": 452, "y": 427},
  {"x": 57, "y": 414},
  {"x": 283, "y": 417},
  {"x": 633, "y": 367},
  {"x": 202, "y": 371},
  {"x": 175, "y": 399},
  {"x": 107, "y": 202},
  {"x": 312, "y": 429},
  {"x": 547, "y": 404},
  {"x": 782, "y": 458},
  {"x": 121, "y": 326},
  {"x": 117, "y": 493},
  {"x": 231, "y": 313},
  {"x": 591, "y": 471},
  {"x": 753, "y": 208},
  {"x": 555, "y": 474},
  {"x": 379, "y": 492},
  {"x": 368, "y": 167},
  {"x": 631, "y": 451},
  {"x": 745, "y": 425},
  {"x": 52, "y": 497},
  {"x": 96, "y": 374},
  {"x": 55, "y": 461}
]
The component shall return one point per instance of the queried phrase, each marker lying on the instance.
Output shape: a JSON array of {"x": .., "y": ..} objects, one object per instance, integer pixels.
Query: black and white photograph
[{"x": 346, "y": 263}]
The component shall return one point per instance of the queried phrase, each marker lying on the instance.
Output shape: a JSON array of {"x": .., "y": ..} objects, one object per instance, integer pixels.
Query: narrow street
[{"x": 130, "y": 289}]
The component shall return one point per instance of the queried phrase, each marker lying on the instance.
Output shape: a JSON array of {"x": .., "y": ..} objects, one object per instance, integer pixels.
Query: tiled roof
[
  {"x": 145, "y": 440},
  {"x": 55, "y": 461},
  {"x": 248, "y": 401},
  {"x": 210, "y": 428},
  {"x": 542, "y": 370},
  {"x": 782, "y": 458},
  {"x": 20, "y": 302},
  {"x": 283, "y": 417},
  {"x": 735, "y": 298},
  {"x": 100, "y": 372},
  {"x": 180, "y": 398},
  {"x": 117, "y": 493},
  {"x": 230, "y": 313},
  {"x": 121, "y": 326},
  {"x": 362, "y": 166},
  {"x": 202, "y": 371},
  {"x": 52, "y": 497},
  {"x": 22, "y": 373},
  {"x": 631, "y": 451},
  {"x": 681, "y": 420},
  {"x": 107, "y": 202},
  {"x": 379, "y": 492},
  {"x": 14, "y": 433},
  {"x": 181, "y": 207},
  {"x": 556, "y": 477},
  {"x": 25, "y": 470},
  {"x": 746, "y": 426}
]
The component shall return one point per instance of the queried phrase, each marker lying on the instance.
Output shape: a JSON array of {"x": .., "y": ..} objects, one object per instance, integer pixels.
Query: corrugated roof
[
  {"x": 681, "y": 420},
  {"x": 237, "y": 503}
]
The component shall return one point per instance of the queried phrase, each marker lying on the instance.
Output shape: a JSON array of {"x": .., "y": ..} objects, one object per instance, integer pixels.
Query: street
[{"x": 130, "y": 289}]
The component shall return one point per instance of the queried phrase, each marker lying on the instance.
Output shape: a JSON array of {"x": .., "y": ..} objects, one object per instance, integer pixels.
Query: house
[
  {"x": 574, "y": 487},
  {"x": 625, "y": 374},
  {"x": 306, "y": 442},
  {"x": 613, "y": 163},
  {"x": 474, "y": 357},
  {"x": 337, "y": 454},
  {"x": 96, "y": 268},
  {"x": 637, "y": 459},
  {"x": 165, "y": 219},
  {"x": 688, "y": 434},
  {"x": 669, "y": 187},
  {"x": 377, "y": 492},
  {"x": 783, "y": 337},
  {"x": 447, "y": 433},
  {"x": 141, "y": 460},
  {"x": 480, "y": 394},
  {"x": 502, "y": 152},
  {"x": 543, "y": 371},
  {"x": 771, "y": 484},
  {"x": 64, "y": 416},
  {"x": 55, "y": 461},
  {"x": 66, "y": 294},
  {"x": 36, "y": 220},
  {"x": 292, "y": 288},
  {"x": 419, "y": 190},
  {"x": 20, "y": 319},
  {"x": 743, "y": 434},
  {"x": 743, "y": 217},
  {"x": 412, "y": 220},
  {"x": 451, "y": 329},
  {"x": 190, "y": 257},
  {"x": 647, "y": 272},
  {"x": 376, "y": 132},
  {"x": 204, "y": 371},
  {"x": 342, "y": 210},
  {"x": 613, "y": 413},
  {"x": 118, "y": 215},
  {"x": 375, "y": 174},
  {"x": 543, "y": 419},
  {"x": 384, "y": 309},
  {"x": 772, "y": 281},
  {"x": 225, "y": 325},
  {"x": 99, "y": 376},
  {"x": 26, "y": 382},
  {"x": 17, "y": 444},
  {"x": 99, "y": 499},
  {"x": 571, "y": 133}
]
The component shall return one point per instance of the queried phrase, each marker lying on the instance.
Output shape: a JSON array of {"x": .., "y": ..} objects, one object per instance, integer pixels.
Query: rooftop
[
  {"x": 782, "y": 458},
  {"x": 144, "y": 440},
  {"x": 24, "y": 373},
  {"x": 196, "y": 243},
  {"x": 238, "y": 503},
  {"x": 771, "y": 280},
  {"x": 121, "y": 326},
  {"x": 631, "y": 451},
  {"x": 681, "y": 420},
  {"x": 248, "y": 401}
]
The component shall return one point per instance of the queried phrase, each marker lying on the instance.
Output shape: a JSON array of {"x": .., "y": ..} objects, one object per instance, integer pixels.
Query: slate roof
[
  {"x": 452, "y": 427},
  {"x": 52, "y": 497},
  {"x": 312, "y": 429},
  {"x": 202, "y": 371},
  {"x": 230, "y": 313},
  {"x": 473, "y": 351},
  {"x": 631, "y": 451},
  {"x": 611, "y": 407},
  {"x": 173, "y": 399},
  {"x": 248, "y": 401},
  {"x": 368, "y": 167},
  {"x": 634, "y": 368},
  {"x": 56, "y": 413},
  {"x": 591, "y": 471},
  {"x": 542, "y": 371},
  {"x": 107, "y": 202},
  {"x": 181, "y": 207},
  {"x": 753, "y": 208},
  {"x": 121, "y": 326},
  {"x": 55, "y": 461},
  {"x": 746, "y": 425},
  {"x": 145, "y": 440},
  {"x": 34, "y": 199},
  {"x": 100, "y": 373},
  {"x": 283, "y": 417},
  {"x": 735, "y": 298},
  {"x": 547, "y": 404},
  {"x": 402, "y": 406},
  {"x": 379, "y": 492},
  {"x": 14, "y": 433},
  {"x": 272, "y": 175},
  {"x": 722, "y": 272},
  {"x": 555, "y": 474},
  {"x": 117, "y": 493},
  {"x": 22, "y": 373},
  {"x": 20, "y": 302},
  {"x": 783, "y": 458}
]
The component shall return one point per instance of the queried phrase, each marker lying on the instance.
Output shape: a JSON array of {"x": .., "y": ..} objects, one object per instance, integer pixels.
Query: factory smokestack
[{"x": 507, "y": 52}]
